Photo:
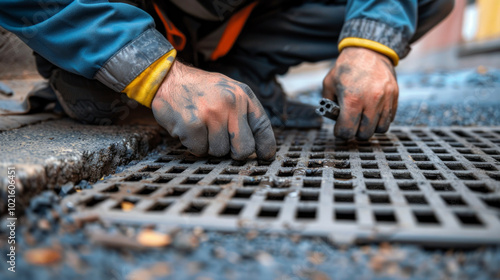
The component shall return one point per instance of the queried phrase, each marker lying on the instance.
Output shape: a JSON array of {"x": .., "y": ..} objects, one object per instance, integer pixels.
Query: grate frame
[{"x": 432, "y": 186}]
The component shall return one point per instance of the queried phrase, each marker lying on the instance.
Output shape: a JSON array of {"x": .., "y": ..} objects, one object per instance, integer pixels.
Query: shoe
[
  {"x": 85, "y": 100},
  {"x": 282, "y": 112}
]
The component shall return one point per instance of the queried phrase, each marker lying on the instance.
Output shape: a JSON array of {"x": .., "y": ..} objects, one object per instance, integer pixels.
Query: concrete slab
[{"x": 56, "y": 152}]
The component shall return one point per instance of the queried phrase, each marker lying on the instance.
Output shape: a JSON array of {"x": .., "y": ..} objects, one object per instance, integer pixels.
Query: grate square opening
[
  {"x": 289, "y": 163},
  {"x": 136, "y": 177},
  {"x": 177, "y": 170},
  {"x": 251, "y": 182},
  {"x": 426, "y": 217},
  {"x": 243, "y": 193},
  {"x": 395, "y": 165},
  {"x": 159, "y": 207},
  {"x": 126, "y": 204},
  {"x": 309, "y": 183},
  {"x": 426, "y": 166},
  {"x": 369, "y": 165},
  {"x": 343, "y": 185},
  {"x": 408, "y": 186},
  {"x": 416, "y": 199},
  {"x": 478, "y": 187},
  {"x": 209, "y": 193},
  {"x": 293, "y": 155},
  {"x": 345, "y": 215},
  {"x": 268, "y": 212},
  {"x": 465, "y": 151},
  {"x": 440, "y": 151},
  {"x": 474, "y": 158},
  {"x": 419, "y": 157},
  {"x": 232, "y": 210},
  {"x": 409, "y": 144},
  {"x": 486, "y": 167},
  {"x": 454, "y": 200},
  {"x": 147, "y": 190},
  {"x": 238, "y": 163},
  {"x": 163, "y": 180},
  {"x": 214, "y": 161},
  {"x": 188, "y": 161},
  {"x": 314, "y": 173},
  {"x": 372, "y": 175},
  {"x": 342, "y": 175},
  {"x": 434, "y": 176},
  {"x": 94, "y": 200},
  {"x": 375, "y": 186},
  {"x": 175, "y": 192},
  {"x": 493, "y": 202},
  {"x": 315, "y": 164},
  {"x": 264, "y": 163},
  {"x": 393, "y": 158},
  {"x": 465, "y": 176},
  {"x": 455, "y": 166},
  {"x": 309, "y": 196},
  {"x": 442, "y": 187},
  {"x": 285, "y": 173},
  {"x": 274, "y": 196},
  {"x": 468, "y": 219},
  {"x": 490, "y": 151},
  {"x": 150, "y": 168},
  {"x": 194, "y": 208},
  {"x": 379, "y": 199},
  {"x": 163, "y": 160},
  {"x": 191, "y": 181},
  {"x": 385, "y": 217},
  {"x": 203, "y": 171},
  {"x": 112, "y": 189},
  {"x": 402, "y": 175},
  {"x": 221, "y": 181},
  {"x": 231, "y": 171},
  {"x": 414, "y": 151},
  {"x": 390, "y": 150},
  {"x": 446, "y": 158},
  {"x": 258, "y": 172},
  {"x": 343, "y": 198},
  {"x": 305, "y": 213},
  {"x": 317, "y": 156},
  {"x": 494, "y": 176},
  {"x": 368, "y": 157}
]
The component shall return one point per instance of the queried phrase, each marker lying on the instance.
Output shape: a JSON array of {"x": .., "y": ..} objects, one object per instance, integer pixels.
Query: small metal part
[{"x": 328, "y": 109}]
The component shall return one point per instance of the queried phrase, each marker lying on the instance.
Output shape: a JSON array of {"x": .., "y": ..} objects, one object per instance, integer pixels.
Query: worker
[{"x": 207, "y": 69}]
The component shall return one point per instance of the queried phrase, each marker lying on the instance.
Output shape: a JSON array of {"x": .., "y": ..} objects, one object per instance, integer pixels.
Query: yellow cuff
[
  {"x": 144, "y": 87},
  {"x": 369, "y": 44}
]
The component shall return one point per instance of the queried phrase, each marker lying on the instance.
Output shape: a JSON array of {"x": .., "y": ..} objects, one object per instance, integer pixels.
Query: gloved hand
[
  {"x": 213, "y": 114},
  {"x": 363, "y": 82}
]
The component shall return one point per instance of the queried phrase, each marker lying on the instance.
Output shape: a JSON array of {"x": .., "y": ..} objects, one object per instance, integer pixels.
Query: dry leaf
[
  {"x": 42, "y": 256},
  {"x": 151, "y": 238}
]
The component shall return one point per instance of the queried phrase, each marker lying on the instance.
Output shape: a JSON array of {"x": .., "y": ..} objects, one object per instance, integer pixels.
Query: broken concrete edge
[{"x": 32, "y": 179}]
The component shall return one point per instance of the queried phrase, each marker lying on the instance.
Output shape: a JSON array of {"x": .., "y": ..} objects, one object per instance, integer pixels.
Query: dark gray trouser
[{"x": 270, "y": 44}]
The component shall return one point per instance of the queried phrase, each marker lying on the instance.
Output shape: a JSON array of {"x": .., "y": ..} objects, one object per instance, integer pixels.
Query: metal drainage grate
[{"x": 431, "y": 186}]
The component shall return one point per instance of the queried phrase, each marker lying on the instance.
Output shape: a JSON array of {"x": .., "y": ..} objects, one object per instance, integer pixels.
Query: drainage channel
[{"x": 432, "y": 186}]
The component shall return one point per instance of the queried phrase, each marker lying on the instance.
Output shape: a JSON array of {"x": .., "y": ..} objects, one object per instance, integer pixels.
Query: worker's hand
[
  {"x": 213, "y": 114},
  {"x": 363, "y": 82}
]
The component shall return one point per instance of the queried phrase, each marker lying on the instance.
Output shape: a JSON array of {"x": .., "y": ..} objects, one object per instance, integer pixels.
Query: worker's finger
[
  {"x": 241, "y": 137},
  {"x": 369, "y": 120},
  {"x": 329, "y": 87},
  {"x": 395, "y": 97},
  {"x": 385, "y": 120},
  {"x": 194, "y": 137},
  {"x": 218, "y": 139},
  {"x": 349, "y": 118},
  {"x": 265, "y": 142}
]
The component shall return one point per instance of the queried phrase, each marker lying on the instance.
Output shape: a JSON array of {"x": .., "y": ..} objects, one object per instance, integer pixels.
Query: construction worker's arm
[
  {"x": 118, "y": 45},
  {"x": 374, "y": 37}
]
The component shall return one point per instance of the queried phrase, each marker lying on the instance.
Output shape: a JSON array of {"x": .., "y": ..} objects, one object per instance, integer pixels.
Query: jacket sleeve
[
  {"x": 385, "y": 26},
  {"x": 111, "y": 42}
]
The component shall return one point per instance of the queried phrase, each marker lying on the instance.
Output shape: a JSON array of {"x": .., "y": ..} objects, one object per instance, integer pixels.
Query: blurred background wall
[{"x": 469, "y": 37}]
